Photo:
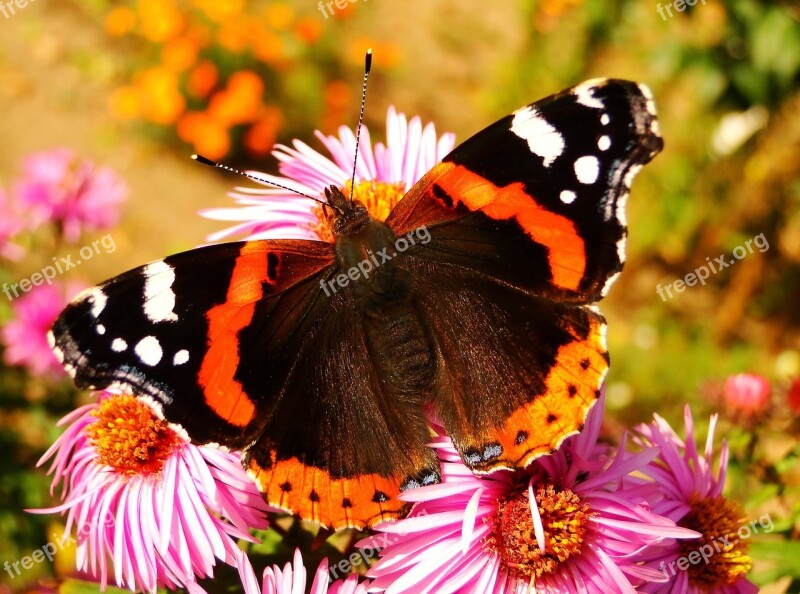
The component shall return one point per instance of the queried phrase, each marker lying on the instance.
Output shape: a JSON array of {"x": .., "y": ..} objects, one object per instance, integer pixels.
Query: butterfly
[{"x": 474, "y": 299}]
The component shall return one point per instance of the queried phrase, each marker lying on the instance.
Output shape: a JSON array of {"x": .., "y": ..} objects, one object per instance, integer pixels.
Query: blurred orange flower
[
  {"x": 308, "y": 30},
  {"x": 337, "y": 96},
  {"x": 279, "y": 16},
  {"x": 220, "y": 11},
  {"x": 236, "y": 35},
  {"x": 268, "y": 47},
  {"x": 240, "y": 101},
  {"x": 179, "y": 53},
  {"x": 211, "y": 60},
  {"x": 261, "y": 136},
  {"x": 120, "y": 21},
  {"x": 202, "y": 79},
  {"x": 208, "y": 136},
  {"x": 160, "y": 19},
  {"x": 160, "y": 98}
]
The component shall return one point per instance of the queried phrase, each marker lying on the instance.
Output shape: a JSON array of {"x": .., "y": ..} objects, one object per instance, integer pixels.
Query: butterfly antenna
[
  {"x": 367, "y": 68},
  {"x": 210, "y": 163}
]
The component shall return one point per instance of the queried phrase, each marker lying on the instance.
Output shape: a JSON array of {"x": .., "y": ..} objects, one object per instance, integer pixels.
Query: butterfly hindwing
[
  {"x": 517, "y": 373},
  {"x": 527, "y": 229},
  {"x": 341, "y": 445}
]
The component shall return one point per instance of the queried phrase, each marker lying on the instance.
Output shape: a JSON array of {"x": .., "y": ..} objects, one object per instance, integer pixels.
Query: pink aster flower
[
  {"x": 162, "y": 510},
  {"x": 25, "y": 335},
  {"x": 76, "y": 194},
  {"x": 383, "y": 174},
  {"x": 746, "y": 394},
  {"x": 717, "y": 562},
  {"x": 568, "y": 523},
  {"x": 11, "y": 223},
  {"x": 292, "y": 579}
]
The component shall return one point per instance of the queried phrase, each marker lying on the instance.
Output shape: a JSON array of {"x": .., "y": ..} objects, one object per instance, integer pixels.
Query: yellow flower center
[
  {"x": 379, "y": 198},
  {"x": 564, "y": 518},
  {"x": 129, "y": 437},
  {"x": 718, "y": 520}
]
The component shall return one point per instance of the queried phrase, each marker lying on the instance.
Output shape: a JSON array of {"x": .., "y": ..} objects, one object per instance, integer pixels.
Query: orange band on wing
[
  {"x": 573, "y": 384},
  {"x": 223, "y": 393},
  {"x": 567, "y": 251},
  {"x": 310, "y": 493}
]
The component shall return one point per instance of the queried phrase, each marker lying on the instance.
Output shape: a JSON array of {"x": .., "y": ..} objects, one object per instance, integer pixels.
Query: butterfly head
[{"x": 347, "y": 216}]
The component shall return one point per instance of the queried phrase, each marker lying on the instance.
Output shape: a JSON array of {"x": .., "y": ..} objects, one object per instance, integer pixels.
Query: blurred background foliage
[{"x": 140, "y": 85}]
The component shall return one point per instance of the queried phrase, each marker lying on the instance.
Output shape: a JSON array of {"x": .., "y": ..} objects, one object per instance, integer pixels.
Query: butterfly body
[{"x": 474, "y": 299}]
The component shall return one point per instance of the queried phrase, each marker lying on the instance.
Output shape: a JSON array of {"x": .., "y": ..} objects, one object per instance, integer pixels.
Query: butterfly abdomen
[{"x": 400, "y": 345}]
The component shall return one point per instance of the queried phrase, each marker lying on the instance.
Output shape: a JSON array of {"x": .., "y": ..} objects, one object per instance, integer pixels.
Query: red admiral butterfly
[{"x": 321, "y": 379}]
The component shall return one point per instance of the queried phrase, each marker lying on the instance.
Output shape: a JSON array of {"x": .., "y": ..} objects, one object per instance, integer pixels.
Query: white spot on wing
[
  {"x": 584, "y": 94},
  {"x": 608, "y": 284},
  {"x": 100, "y": 329},
  {"x": 542, "y": 138},
  {"x": 567, "y": 196},
  {"x": 587, "y": 169},
  {"x": 149, "y": 350},
  {"x": 181, "y": 357},
  {"x": 621, "y": 248},
  {"x": 603, "y": 143},
  {"x": 604, "y": 119},
  {"x": 94, "y": 297},
  {"x": 630, "y": 174},
  {"x": 118, "y": 345},
  {"x": 622, "y": 201},
  {"x": 180, "y": 431},
  {"x": 648, "y": 95},
  {"x": 159, "y": 298},
  {"x": 51, "y": 339},
  {"x": 654, "y": 127}
]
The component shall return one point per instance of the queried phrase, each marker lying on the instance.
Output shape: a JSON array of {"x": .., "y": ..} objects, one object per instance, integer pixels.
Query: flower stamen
[
  {"x": 379, "y": 198},
  {"x": 129, "y": 437},
  {"x": 718, "y": 520},
  {"x": 564, "y": 517}
]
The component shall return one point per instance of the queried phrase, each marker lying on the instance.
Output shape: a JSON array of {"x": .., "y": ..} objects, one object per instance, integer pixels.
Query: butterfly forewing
[{"x": 538, "y": 198}]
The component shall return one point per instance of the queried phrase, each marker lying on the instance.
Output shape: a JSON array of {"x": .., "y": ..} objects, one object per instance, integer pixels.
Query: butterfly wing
[
  {"x": 526, "y": 228},
  {"x": 236, "y": 345},
  {"x": 537, "y": 199}
]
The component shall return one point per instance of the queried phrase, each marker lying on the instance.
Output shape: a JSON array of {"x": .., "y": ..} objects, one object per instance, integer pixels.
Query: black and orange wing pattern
[
  {"x": 235, "y": 345},
  {"x": 527, "y": 226}
]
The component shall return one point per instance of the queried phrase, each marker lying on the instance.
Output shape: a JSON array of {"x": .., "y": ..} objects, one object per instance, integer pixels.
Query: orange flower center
[
  {"x": 564, "y": 518},
  {"x": 718, "y": 520},
  {"x": 379, "y": 198},
  {"x": 129, "y": 437}
]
